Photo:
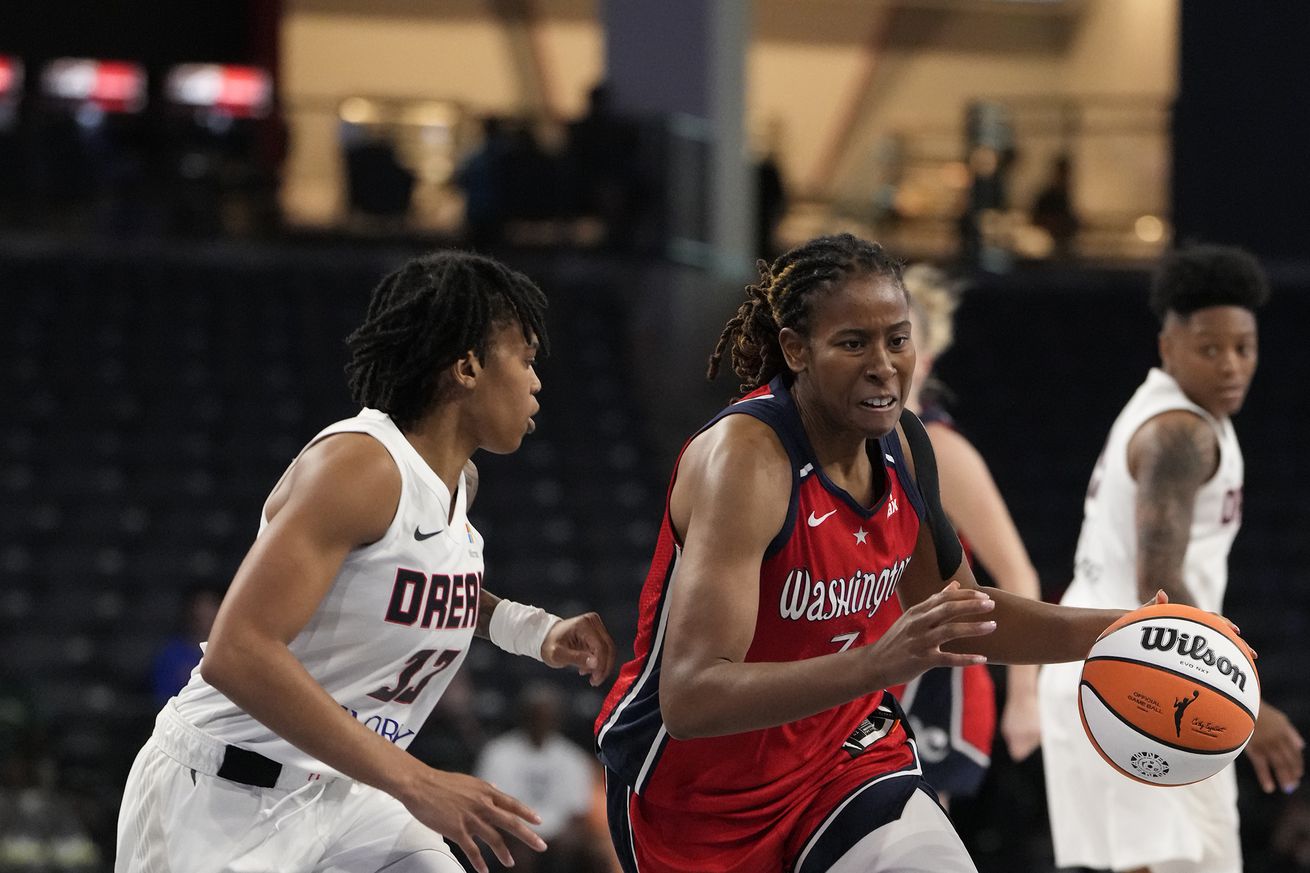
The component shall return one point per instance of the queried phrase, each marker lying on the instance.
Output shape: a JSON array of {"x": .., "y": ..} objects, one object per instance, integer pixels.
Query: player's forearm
[
  {"x": 999, "y": 549},
  {"x": 486, "y": 606},
  {"x": 730, "y": 697},
  {"x": 1017, "y": 576},
  {"x": 1021, "y": 680},
  {"x": 263, "y": 678},
  {"x": 1034, "y": 632},
  {"x": 1170, "y": 582}
]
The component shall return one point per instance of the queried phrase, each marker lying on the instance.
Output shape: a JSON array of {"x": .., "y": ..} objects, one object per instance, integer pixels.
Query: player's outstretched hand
[
  {"x": 913, "y": 644},
  {"x": 580, "y": 642},
  {"x": 462, "y": 807},
  {"x": 1276, "y": 751}
]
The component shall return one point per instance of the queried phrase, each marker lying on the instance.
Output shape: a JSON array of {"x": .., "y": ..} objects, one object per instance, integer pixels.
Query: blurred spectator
[
  {"x": 771, "y": 199},
  {"x": 991, "y": 153},
  {"x": 509, "y": 177},
  {"x": 483, "y": 178},
  {"x": 551, "y": 774},
  {"x": 530, "y": 177},
  {"x": 1053, "y": 208},
  {"x": 181, "y": 652},
  {"x": 377, "y": 184},
  {"x": 601, "y": 157}
]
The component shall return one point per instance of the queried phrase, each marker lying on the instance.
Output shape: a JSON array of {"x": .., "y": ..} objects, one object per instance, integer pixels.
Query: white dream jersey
[
  {"x": 394, "y": 626},
  {"x": 1105, "y": 568}
]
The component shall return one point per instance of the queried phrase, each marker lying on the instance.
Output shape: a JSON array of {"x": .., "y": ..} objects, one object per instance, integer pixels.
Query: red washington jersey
[{"x": 827, "y": 582}]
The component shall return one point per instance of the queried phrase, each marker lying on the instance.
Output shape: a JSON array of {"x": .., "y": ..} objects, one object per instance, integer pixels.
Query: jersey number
[{"x": 406, "y": 693}]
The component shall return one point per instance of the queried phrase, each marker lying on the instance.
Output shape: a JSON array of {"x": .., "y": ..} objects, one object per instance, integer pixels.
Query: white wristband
[{"x": 520, "y": 629}]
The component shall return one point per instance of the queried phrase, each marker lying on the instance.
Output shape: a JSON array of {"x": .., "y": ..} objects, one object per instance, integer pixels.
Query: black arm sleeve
[{"x": 949, "y": 552}]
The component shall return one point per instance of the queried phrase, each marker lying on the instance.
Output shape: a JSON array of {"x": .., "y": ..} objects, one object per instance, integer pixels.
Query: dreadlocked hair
[
  {"x": 782, "y": 298},
  {"x": 427, "y": 315}
]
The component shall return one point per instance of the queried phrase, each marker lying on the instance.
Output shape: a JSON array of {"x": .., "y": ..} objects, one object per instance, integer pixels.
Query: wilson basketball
[{"x": 1169, "y": 694}]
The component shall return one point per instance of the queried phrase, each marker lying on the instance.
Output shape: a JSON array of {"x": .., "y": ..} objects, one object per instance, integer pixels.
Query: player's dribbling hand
[
  {"x": 913, "y": 644},
  {"x": 580, "y": 642},
  {"x": 1161, "y": 597},
  {"x": 1275, "y": 751},
  {"x": 462, "y": 807}
]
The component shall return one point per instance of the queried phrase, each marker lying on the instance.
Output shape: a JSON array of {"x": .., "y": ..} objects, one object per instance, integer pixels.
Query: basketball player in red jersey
[{"x": 751, "y": 732}]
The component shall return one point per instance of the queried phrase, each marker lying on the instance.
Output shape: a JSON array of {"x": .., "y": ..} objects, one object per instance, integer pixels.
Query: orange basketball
[{"x": 1169, "y": 694}]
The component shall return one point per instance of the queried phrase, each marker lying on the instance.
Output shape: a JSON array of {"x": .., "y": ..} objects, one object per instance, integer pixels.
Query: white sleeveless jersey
[
  {"x": 395, "y": 624},
  {"x": 1105, "y": 569}
]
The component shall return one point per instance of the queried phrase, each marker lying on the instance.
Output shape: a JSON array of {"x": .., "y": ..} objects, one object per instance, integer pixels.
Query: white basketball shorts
[{"x": 178, "y": 815}]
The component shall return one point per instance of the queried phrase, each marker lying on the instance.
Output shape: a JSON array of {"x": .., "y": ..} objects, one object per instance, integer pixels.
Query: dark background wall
[
  {"x": 1242, "y": 127},
  {"x": 148, "y": 31}
]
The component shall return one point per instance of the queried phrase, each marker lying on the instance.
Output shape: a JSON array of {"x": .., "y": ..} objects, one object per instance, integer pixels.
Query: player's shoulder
[
  {"x": 350, "y": 477},
  {"x": 740, "y": 439},
  {"x": 738, "y": 467},
  {"x": 1175, "y": 428},
  {"x": 1180, "y": 440},
  {"x": 355, "y": 457}
]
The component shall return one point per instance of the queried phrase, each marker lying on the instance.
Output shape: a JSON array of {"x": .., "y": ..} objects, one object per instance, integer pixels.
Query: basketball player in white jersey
[
  {"x": 1161, "y": 512},
  {"x": 354, "y": 608}
]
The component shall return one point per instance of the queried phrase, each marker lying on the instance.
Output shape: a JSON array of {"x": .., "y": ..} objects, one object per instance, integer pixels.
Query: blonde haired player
[
  {"x": 1161, "y": 512},
  {"x": 953, "y": 710},
  {"x": 354, "y": 608}
]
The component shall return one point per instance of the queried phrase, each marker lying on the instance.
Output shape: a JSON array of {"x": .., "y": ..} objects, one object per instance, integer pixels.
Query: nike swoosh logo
[
  {"x": 816, "y": 520},
  {"x": 420, "y": 536}
]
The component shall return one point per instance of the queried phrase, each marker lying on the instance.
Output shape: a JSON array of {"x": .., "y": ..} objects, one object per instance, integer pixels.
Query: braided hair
[
  {"x": 782, "y": 298},
  {"x": 427, "y": 315}
]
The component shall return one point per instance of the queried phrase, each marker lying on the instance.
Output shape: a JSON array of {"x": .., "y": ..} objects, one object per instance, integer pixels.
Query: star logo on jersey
[
  {"x": 816, "y": 520},
  {"x": 861, "y": 536},
  {"x": 421, "y": 536},
  {"x": 891, "y": 506}
]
